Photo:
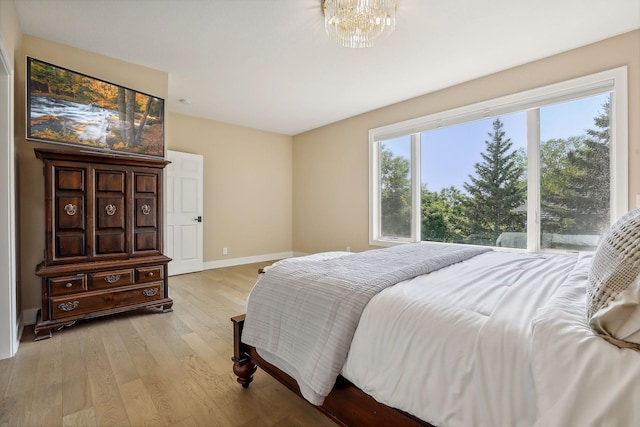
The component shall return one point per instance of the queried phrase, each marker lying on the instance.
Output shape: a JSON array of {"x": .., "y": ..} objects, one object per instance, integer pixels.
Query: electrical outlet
[{"x": 225, "y": 251}]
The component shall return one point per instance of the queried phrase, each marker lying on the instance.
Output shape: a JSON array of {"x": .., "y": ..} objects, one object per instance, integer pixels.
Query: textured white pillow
[{"x": 613, "y": 291}]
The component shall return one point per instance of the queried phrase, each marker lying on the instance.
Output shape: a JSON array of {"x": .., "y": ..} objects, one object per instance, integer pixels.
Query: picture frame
[{"x": 70, "y": 108}]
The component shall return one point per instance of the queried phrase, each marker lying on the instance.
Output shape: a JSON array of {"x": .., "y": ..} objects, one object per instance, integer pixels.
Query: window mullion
[
  {"x": 619, "y": 137},
  {"x": 375, "y": 217},
  {"x": 533, "y": 180},
  {"x": 416, "y": 203}
]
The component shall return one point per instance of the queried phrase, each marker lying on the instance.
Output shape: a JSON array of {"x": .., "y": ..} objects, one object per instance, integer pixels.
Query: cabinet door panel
[
  {"x": 110, "y": 243},
  {"x": 69, "y": 179},
  {"x": 146, "y": 241},
  {"x": 70, "y": 213},
  {"x": 112, "y": 181},
  {"x": 70, "y": 245},
  {"x": 146, "y": 213},
  {"x": 146, "y": 183},
  {"x": 146, "y": 235},
  {"x": 110, "y": 212}
]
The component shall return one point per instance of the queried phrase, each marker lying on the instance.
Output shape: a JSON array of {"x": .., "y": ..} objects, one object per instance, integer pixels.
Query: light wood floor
[{"x": 150, "y": 369}]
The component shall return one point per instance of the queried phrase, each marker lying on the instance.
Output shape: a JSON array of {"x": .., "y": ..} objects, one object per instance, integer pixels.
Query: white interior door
[{"x": 184, "y": 212}]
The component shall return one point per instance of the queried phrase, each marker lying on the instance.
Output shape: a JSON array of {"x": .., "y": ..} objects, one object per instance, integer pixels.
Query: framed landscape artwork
[{"x": 66, "y": 107}]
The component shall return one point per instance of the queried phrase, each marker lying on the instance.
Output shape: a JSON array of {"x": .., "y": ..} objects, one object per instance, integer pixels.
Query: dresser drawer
[
  {"x": 110, "y": 279},
  {"x": 89, "y": 302},
  {"x": 67, "y": 285},
  {"x": 149, "y": 274}
]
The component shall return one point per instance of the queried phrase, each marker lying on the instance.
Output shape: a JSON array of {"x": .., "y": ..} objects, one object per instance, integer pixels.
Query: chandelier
[{"x": 359, "y": 23}]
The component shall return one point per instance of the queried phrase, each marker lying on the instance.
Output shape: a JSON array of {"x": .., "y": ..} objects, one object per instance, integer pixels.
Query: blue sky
[{"x": 449, "y": 154}]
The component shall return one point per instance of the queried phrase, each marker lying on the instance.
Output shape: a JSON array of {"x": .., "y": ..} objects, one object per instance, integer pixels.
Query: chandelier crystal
[{"x": 359, "y": 23}]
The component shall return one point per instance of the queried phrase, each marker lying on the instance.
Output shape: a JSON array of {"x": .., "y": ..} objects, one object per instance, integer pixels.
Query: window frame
[{"x": 530, "y": 101}]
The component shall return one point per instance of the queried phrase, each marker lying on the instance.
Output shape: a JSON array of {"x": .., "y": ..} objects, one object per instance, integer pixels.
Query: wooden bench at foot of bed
[{"x": 346, "y": 404}]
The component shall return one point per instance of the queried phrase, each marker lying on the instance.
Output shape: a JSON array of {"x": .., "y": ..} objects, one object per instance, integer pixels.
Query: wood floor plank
[
  {"x": 46, "y": 401},
  {"x": 147, "y": 367},
  {"x": 107, "y": 402},
  {"x": 13, "y": 410},
  {"x": 46, "y": 405},
  {"x": 187, "y": 422},
  {"x": 164, "y": 382},
  {"x": 138, "y": 403},
  {"x": 123, "y": 367},
  {"x": 76, "y": 393},
  {"x": 83, "y": 418},
  {"x": 6, "y": 366},
  {"x": 214, "y": 360},
  {"x": 23, "y": 375},
  {"x": 167, "y": 394}
]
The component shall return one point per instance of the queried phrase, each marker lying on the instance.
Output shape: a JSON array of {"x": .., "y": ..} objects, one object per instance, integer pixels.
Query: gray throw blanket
[{"x": 304, "y": 311}]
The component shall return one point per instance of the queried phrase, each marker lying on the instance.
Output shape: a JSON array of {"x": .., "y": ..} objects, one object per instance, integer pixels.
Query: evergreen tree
[
  {"x": 575, "y": 181},
  {"x": 496, "y": 190},
  {"x": 589, "y": 193},
  {"x": 556, "y": 177},
  {"x": 395, "y": 186}
]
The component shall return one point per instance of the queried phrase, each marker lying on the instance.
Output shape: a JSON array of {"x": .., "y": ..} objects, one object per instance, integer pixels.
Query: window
[{"x": 542, "y": 170}]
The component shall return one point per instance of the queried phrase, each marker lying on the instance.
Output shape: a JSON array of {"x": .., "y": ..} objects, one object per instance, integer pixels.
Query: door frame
[
  {"x": 10, "y": 314},
  {"x": 200, "y": 201}
]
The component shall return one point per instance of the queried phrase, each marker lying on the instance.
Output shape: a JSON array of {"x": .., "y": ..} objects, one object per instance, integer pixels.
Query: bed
[{"x": 483, "y": 338}]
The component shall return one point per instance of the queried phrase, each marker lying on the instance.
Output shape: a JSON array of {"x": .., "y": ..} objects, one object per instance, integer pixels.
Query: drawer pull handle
[
  {"x": 68, "y": 285},
  {"x": 150, "y": 292},
  {"x": 70, "y": 209},
  {"x": 146, "y": 209},
  {"x": 110, "y": 209},
  {"x": 112, "y": 278},
  {"x": 68, "y": 306},
  {"x": 150, "y": 274}
]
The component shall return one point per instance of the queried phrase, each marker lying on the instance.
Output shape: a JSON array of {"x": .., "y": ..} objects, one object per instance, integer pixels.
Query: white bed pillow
[{"x": 613, "y": 289}]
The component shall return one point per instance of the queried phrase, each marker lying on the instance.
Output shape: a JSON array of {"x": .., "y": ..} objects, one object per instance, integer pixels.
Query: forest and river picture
[{"x": 68, "y": 107}]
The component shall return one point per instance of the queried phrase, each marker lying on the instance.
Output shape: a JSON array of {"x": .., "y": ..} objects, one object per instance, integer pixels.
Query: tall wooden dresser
[{"x": 103, "y": 250}]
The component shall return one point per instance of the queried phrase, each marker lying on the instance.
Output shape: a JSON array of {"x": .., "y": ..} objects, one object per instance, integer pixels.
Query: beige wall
[
  {"x": 247, "y": 190},
  {"x": 330, "y": 164},
  {"x": 10, "y": 27},
  {"x": 31, "y": 181}
]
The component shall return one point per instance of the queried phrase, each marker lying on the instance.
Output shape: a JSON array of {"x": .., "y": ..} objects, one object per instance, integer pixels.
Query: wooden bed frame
[{"x": 347, "y": 405}]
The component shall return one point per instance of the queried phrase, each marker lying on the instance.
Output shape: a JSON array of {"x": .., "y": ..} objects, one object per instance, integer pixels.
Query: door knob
[{"x": 199, "y": 219}]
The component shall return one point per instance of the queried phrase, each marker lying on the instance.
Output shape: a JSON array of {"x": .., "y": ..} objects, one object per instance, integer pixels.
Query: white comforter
[
  {"x": 304, "y": 311},
  {"x": 500, "y": 340},
  {"x": 581, "y": 379},
  {"x": 454, "y": 347}
]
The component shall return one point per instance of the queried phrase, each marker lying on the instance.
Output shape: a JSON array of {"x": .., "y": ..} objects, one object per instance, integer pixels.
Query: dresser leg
[{"x": 42, "y": 333}]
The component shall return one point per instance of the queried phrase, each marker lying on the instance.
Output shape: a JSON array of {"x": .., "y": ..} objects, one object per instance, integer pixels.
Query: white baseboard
[
  {"x": 19, "y": 330},
  {"x": 208, "y": 265}
]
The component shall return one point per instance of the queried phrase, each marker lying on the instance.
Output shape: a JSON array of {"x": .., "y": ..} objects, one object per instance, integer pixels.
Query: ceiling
[{"x": 268, "y": 64}]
